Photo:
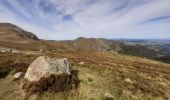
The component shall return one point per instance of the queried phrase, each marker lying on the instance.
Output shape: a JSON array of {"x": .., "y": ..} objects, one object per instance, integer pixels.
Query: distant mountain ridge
[
  {"x": 14, "y": 33},
  {"x": 12, "y": 36}
]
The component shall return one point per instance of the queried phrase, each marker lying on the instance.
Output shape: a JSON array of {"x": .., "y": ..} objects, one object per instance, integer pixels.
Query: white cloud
[{"x": 91, "y": 18}]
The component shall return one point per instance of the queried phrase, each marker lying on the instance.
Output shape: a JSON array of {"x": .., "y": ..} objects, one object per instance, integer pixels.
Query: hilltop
[{"x": 12, "y": 32}]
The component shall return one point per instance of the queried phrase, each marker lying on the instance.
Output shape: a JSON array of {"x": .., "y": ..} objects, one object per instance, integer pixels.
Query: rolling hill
[{"x": 14, "y": 37}]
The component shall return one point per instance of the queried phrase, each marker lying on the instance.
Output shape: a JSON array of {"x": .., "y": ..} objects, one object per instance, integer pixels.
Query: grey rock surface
[
  {"x": 18, "y": 75},
  {"x": 44, "y": 66}
]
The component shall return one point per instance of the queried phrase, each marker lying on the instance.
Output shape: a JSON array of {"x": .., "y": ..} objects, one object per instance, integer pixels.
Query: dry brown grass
[
  {"x": 104, "y": 73},
  {"x": 14, "y": 62}
]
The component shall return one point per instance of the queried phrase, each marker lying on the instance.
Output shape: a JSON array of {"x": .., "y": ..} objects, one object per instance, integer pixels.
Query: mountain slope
[{"x": 12, "y": 32}]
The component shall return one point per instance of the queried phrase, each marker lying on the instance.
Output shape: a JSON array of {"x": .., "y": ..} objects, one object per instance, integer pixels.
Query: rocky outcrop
[{"x": 44, "y": 66}]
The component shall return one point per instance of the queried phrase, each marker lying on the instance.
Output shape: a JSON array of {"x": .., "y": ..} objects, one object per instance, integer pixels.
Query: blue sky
[{"x": 69, "y": 19}]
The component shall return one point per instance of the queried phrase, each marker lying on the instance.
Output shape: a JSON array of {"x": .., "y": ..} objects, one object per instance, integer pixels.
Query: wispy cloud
[{"x": 68, "y": 19}]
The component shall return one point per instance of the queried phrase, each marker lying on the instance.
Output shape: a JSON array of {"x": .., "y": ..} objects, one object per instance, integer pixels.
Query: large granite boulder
[{"x": 44, "y": 66}]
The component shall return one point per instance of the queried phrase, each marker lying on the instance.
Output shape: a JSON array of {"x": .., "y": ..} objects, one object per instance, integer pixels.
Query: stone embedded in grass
[
  {"x": 81, "y": 63},
  {"x": 128, "y": 80},
  {"x": 18, "y": 75},
  {"x": 113, "y": 52},
  {"x": 108, "y": 96},
  {"x": 44, "y": 66},
  {"x": 41, "y": 50}
]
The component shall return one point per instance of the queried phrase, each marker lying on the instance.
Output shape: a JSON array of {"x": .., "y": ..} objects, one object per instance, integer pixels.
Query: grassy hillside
[
  {"x": 12, "y": 32},
  {"x": 102, "y": 76}
]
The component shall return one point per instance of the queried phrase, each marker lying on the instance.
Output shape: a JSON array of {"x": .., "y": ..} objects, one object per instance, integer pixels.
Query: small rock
[
  {"x": 75, "y": 44},
  {"x": 18, "y": 75},
  {"x": 2, "y": 50},
  {"x": 127, "y": 80},
  {"x": 81, "y": 63},
  {"x": 53, "y": 50},
  {"x": 15, "y": 51},
  {"x": 113, "y": 52},
  {"x": 108, "y": 96},
  {"x": 41, "y": 50}
]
